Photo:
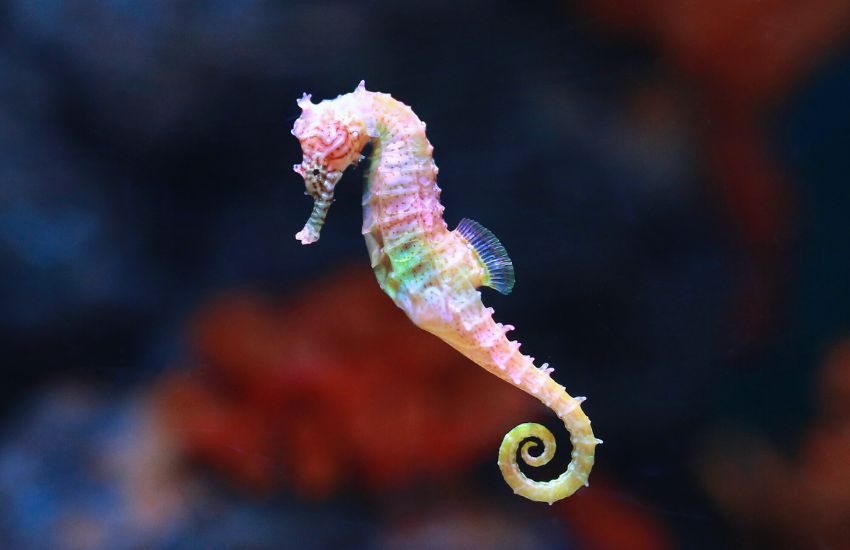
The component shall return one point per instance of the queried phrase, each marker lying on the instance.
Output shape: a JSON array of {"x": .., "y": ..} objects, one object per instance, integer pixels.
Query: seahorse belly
[{"x": 402, "y": 215}]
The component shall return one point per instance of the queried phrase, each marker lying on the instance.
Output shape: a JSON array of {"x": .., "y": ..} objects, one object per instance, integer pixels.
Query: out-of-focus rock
[{"x": 805, "y": 500}]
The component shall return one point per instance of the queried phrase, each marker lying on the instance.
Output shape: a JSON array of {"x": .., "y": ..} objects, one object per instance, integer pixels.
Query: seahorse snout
[{"x": 319, "y": 185}]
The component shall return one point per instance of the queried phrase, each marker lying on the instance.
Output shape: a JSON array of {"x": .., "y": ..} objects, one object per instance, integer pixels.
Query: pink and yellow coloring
[{"x": 432, "y": 273}]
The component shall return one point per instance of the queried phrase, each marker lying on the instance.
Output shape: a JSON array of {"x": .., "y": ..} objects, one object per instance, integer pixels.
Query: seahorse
[{"x": 431, "y": 273}]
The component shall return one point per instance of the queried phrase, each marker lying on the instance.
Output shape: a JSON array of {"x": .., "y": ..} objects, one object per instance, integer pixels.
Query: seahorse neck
[{"x": 401, "y": 184}]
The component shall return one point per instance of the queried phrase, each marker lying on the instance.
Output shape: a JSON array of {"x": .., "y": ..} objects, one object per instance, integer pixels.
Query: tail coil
[{"x": 522, "y": 439}]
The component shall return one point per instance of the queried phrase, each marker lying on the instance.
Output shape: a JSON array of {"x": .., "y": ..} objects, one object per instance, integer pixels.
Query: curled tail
[{"x": 521, "y": 439}]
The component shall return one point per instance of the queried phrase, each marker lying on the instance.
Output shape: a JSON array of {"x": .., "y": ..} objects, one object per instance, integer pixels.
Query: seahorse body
[{"x": 430, "y": 272}]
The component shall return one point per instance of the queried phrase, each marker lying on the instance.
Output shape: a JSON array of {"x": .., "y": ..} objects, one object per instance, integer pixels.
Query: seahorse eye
[{"x": 315, "y": 171}]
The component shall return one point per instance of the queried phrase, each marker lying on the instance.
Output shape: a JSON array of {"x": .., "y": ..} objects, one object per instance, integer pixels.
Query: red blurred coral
[
  {"x": 606, "y": 518},
  {"x": 332, "y": 387}
]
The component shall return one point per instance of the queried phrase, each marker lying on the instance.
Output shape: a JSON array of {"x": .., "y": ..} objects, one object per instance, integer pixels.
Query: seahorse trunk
[{"x": 430, "y": 272}]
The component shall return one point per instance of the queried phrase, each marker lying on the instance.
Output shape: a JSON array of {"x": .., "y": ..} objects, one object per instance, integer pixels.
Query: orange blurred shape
[
  {"x": 806, "y": 500},
  {"x": 741, "y": 57},
  {"x": 333, "y": 387},
  {"x": 747, "y": 51},
  {"x": 604, "y": 518}
]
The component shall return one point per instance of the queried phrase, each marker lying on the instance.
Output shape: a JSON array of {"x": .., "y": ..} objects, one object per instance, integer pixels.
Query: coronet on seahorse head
[{"x": 331, "y": 137}]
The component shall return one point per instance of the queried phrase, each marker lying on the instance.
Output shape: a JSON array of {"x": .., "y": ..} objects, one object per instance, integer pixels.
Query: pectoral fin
[{"x": 497, "y": 266}]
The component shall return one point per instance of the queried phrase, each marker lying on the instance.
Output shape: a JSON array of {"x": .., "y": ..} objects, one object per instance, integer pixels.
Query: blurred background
[{"x": 669, "y": 178}]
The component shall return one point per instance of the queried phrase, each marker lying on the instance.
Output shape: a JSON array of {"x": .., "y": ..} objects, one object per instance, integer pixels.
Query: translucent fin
[{"x": 498, "y": 268}]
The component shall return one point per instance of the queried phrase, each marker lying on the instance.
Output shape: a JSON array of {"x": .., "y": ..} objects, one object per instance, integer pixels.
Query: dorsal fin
[{"x": 498, "y": 268}]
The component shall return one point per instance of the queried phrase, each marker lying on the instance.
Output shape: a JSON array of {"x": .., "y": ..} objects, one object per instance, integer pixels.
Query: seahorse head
[{"x": 331, "y": 139}]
